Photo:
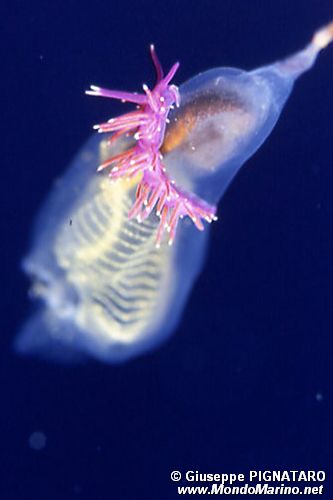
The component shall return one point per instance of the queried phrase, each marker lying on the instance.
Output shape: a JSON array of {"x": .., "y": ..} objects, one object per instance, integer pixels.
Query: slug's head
[{"x": 163, "y": 92}]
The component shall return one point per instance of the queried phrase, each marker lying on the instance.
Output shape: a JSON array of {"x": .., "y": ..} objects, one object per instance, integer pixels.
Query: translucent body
[
  {"x": 107, "y": 289},
  {"x": 104, "y": 289}
]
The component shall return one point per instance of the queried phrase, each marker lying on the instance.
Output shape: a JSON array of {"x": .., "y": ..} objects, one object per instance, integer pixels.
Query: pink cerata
[{"x": 147, "y": 125}]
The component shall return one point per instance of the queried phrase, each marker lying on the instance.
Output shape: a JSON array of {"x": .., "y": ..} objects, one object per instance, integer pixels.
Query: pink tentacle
[
  {"x": 117, "y": 94},
  {"x": 157, "y": 64}
]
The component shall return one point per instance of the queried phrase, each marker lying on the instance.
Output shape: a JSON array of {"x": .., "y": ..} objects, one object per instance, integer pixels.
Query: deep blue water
[{"x": 246, "y": 380}]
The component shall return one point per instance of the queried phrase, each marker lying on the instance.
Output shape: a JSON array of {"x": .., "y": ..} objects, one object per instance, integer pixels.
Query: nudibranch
[
  {"x": 103, "y": 288},
  {"x": 147, "y": 125}
]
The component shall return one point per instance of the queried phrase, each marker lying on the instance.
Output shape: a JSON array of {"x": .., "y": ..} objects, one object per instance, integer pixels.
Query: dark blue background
[{"x": 237, "y": 386}]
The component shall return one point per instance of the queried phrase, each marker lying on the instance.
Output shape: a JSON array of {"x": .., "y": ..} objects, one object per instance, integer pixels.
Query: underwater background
[{"x": 245, "y": 382}]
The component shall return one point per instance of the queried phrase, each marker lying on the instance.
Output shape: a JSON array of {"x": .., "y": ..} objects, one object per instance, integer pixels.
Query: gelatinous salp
[{"x": 101, "y": 286}]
